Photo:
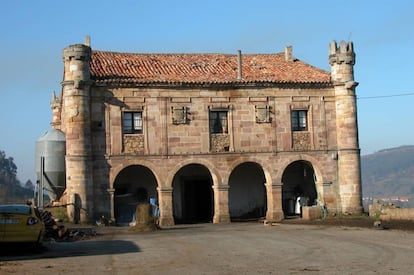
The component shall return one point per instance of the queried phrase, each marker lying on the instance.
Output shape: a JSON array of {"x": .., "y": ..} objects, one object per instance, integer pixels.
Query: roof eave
[{"x": 206, "y": 84}]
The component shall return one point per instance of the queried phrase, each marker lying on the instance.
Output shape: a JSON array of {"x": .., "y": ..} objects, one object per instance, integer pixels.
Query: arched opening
[
  {"x": 247, "y": 193},
  {"x": 133, "y": 185},
  {"x": 193, "y": 195},
  {"x": 299, "y": 188}
]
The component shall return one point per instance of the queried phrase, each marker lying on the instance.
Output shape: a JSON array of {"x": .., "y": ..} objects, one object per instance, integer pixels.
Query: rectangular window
[
  {"x": 132, "y": 123},
  {"x": 299, "y": 120},
  {"x": 218, "y": 122}
]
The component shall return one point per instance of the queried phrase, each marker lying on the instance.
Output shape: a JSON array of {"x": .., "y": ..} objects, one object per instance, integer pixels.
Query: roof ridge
[{"x": 186, "y": 53}]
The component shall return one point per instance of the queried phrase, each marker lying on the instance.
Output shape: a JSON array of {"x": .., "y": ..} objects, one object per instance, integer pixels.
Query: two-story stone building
[{"x": 212, "y": 137}]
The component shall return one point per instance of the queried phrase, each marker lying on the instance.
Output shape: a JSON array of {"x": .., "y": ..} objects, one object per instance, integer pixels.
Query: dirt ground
[
  {"x": 355, "y": 221},
  {"x": 344, "y": 245}
]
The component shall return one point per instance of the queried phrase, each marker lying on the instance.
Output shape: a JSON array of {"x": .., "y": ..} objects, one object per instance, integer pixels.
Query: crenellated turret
[
  {"x": 342, "y": 60},
  {"x": 76, "y": 124},
  {"x": 56, "y": 106},
  {"x": 76, "y": 59}
]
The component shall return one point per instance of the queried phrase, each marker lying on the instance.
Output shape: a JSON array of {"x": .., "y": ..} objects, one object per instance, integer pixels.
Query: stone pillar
[
  {"x": 274, "y": 202},
  {"x": 111, "y": 203},
  {"x": 76, "y": 124},
  {"x": 166, "y": 206},
  {"x": 342, "y": 60},
  {"x": 221, "y": 204}
]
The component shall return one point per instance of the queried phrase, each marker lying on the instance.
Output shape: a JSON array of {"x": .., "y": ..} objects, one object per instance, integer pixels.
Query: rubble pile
[{"x": 60, "y": 233}]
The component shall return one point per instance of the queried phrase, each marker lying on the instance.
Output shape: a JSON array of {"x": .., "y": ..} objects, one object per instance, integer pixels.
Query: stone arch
[
  {"x": 302, "y": 183},
  {"x": 192, "y": 194},
  {"x": 134, "y": 184},
  {"x": 290, "y": 159},
  {"x": 213, "y": 171},
  {"x": 118, "y": 168},
  {"x": 264, "y": 165},
  {"x": 247, "y": 191}
]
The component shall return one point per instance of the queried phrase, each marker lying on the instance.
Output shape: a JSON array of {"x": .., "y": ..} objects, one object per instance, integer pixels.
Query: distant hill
[{"x": 389, "y": 172}]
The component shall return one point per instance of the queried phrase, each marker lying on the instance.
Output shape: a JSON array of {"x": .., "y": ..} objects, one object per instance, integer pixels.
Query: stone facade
[{"x": 208, "y": 147}]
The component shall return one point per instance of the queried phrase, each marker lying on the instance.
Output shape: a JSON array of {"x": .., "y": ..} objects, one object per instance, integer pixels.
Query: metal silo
[{"x": 50, "y": 164}]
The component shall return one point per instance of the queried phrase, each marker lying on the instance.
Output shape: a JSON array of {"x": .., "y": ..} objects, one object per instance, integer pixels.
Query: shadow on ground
[{"x": 13, "y": 252}]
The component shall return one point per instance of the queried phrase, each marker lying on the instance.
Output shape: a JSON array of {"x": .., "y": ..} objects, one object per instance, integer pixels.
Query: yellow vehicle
[{"x": 20, "y": 223}]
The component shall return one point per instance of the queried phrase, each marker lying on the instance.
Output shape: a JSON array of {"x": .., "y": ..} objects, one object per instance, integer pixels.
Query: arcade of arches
[{"x": 193, "y": 194}]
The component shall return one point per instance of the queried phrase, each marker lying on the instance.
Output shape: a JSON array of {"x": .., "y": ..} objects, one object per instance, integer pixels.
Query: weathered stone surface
[{"x": 258, "y": 131}]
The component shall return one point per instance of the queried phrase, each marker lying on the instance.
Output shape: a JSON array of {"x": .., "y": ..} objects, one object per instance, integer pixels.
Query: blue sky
[{"x": 33, "y": 34}]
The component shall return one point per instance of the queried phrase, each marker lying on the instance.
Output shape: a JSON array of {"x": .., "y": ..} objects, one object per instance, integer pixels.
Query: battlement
[
  {"x": 344, "y": 54},
  {"x": 77, "y": 52},
  {"x": 76, "y": 58}
]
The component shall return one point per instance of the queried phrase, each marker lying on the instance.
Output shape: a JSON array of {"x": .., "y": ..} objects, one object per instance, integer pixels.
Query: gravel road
[{"x": 237, "y": 248}]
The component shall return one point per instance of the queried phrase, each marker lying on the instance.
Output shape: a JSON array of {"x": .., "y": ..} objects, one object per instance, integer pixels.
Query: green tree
[
  {"x": 29, "y": 185},
  {"x": 8, "y": 170}
]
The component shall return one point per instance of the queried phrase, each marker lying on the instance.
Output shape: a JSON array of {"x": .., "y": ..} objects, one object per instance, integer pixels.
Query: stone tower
[
  {"x": 76, "y": 124},
  {"x": 342, "y": 60},
  {"x": 56, "y": 106}
]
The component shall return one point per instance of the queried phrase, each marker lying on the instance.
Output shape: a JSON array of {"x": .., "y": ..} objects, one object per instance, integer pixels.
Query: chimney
[
  {"x": 289, "y": 54},
  {"x": 88, "y": 40},
  {"x": 239, "y": 65}
]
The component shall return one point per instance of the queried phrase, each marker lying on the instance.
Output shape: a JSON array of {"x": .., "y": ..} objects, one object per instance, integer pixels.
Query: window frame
[
  {"x": 299, "y": 120},
  {"x": 133, "y": 128},
  {"x": 217, "y": 121}
]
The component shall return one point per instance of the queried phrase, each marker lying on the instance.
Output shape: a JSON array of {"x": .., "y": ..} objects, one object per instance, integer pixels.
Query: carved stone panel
[
  {"x": 179, "y": 115},
  {"x": 262, "y": 114}
]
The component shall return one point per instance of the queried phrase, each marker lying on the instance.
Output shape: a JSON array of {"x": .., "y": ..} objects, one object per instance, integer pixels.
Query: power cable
[{"x": 384, "y": 96}]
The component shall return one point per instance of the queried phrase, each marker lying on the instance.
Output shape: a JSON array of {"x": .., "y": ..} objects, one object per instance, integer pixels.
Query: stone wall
[
  {"x": 134, "y": 144},
  {"x": 311, "y": 212},
  {"x": 388, "y": 212},
  {"x": 302, "y": 141},
  {"x": 255, "y": 124},
  {"x": 219, "y": 142}
]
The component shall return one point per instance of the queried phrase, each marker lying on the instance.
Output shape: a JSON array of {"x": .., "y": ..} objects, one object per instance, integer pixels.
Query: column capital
[
  {"x": 223, "y": 187},
  {"x": 164, "y": 189},
  {"x": 274, "y": 184}
]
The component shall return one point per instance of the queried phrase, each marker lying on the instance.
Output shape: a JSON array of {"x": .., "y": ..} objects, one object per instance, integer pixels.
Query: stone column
[
  {"x": 111, "y": 192},
  {"x": 166, "y": 206},
  {"x": 274, "y": 202},
  {"x": 221, "y": 204}
]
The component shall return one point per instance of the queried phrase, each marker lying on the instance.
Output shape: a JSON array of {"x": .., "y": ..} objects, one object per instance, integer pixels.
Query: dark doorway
[
  {"x": 197, "y": 201},
  {"x": 247, "y": 193},
  {"x": 299, "y": 188},
  {"x": 133, "y": 185},
  {"x": 193, "y": 197}
]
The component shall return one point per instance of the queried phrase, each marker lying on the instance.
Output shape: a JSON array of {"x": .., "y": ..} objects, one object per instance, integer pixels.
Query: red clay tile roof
[{"x": 126, "y": 68}]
